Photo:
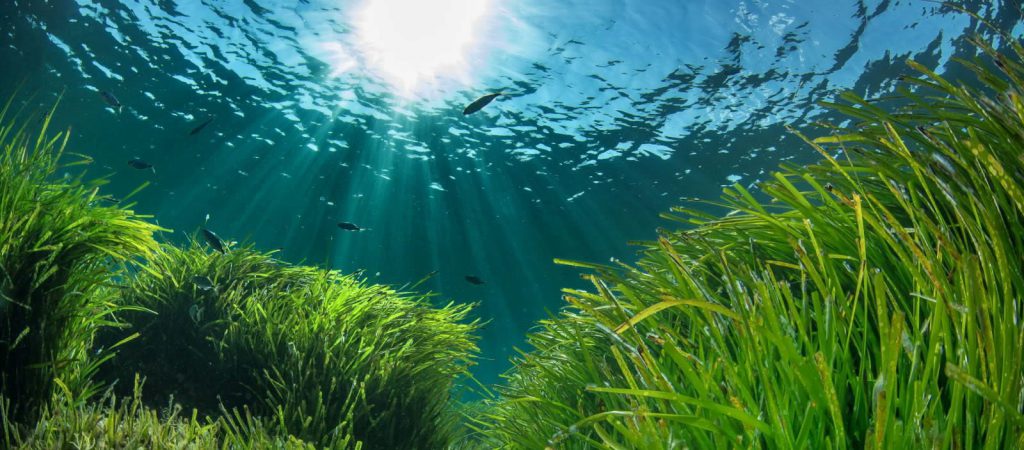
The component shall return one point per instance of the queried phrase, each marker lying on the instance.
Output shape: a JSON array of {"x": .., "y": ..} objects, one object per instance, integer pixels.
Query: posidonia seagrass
[{"x": 873, "y": 301}]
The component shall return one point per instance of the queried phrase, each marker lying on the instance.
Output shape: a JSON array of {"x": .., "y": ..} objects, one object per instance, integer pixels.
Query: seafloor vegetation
[
  {"x": 872, "y": 300},
  {"x": 236, "y": 348}
]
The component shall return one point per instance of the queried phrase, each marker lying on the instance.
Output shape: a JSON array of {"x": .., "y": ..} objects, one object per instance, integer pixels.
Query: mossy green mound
[
  {"x": 874, "y": 301},
  {"x": 59, "y": 244},
  {"x": 322, "y": 356}
]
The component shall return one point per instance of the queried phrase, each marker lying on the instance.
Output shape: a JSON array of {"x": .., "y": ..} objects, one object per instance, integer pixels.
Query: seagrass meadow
[
  {"x": 241, "y": 350},
  {"x": 870, "y": 300}
]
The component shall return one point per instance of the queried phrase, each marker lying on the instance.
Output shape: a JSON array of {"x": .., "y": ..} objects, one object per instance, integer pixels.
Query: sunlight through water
[
  {"x": 319, "y": 112},
  {"x": 407, "y": 42}
]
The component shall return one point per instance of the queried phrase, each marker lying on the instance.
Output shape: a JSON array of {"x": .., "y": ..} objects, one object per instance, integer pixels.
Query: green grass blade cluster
[
  {"x": 240, "y": 350},
  {"x": 60, "y": 243},
  {"x": 871, "y": 301},
  {"x": 326, "y": 357},
  {"x": 127, "y": 422}
]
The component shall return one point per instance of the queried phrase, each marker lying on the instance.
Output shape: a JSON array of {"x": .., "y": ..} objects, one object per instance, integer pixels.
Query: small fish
[
  {"x": 474, "y": 279},
  {"x": 213, "y": 240},
  {"x": 111, "y": 100},
  {"x": 350, "y": 227},
  {"x": 479, "y": 103},
  {"x": 138, "y": 163},
  {"x": 203, "y": 283},
  {"x": 200, "y": 127}
]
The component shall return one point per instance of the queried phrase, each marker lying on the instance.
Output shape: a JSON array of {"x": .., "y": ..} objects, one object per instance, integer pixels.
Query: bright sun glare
[{"x": 408, "y": 41}]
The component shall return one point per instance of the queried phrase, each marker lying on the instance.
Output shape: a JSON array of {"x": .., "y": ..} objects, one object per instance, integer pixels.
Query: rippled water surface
[{"x": 351, "y": 110}]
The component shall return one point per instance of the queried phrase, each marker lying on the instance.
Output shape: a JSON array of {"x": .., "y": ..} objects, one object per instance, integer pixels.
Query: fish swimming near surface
[
  {"x": 347, "y": 226},
  {"x": 474, "y": 280},
  {"x": 200, "y": 127},
  {"x": 111, "y": 100},
  {"x": 138, "y": 163},
  {"x": 479, "y": 103},
  {"x": 213, "y": 240}
]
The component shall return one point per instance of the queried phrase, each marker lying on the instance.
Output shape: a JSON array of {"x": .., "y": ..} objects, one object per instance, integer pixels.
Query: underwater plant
[
  {"x": 60, "y": 243},
  {"x": 112, "y": 422},
  {"x": 185, "y": 301},
  {"x": 874, "y": 299},
  {"x": 310, "y": 353}
]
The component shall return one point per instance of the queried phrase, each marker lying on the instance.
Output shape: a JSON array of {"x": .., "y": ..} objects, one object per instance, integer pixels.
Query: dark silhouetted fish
[
  {"x": 213, "y": 240},
  {"x": 200, "y": 127},
  {"x": 479, "y": 103},
  {"x": 138, "y": 163},
  {"x": 203, "y": 283},
  {"x": 350, "y": 226},
  {"x": 111, "y": 100},
  {"x": 474, "y": 279}
]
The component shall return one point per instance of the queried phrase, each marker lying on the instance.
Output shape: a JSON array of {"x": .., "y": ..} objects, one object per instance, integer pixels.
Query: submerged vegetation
[
  {"x": 59, "y": 244},
  {"x": 872, "y": 300},
  {"x": 328, "y": 358},
  {"x": 113, "y": 422},
  {"x": 240, "y": 350}
]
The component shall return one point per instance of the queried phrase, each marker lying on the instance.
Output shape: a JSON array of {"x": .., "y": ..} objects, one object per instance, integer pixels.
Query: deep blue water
[{"x": 326, "y": 111}]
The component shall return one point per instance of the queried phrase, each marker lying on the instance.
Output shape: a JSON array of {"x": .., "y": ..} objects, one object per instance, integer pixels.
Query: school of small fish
[{"x": 216, "y": 243}]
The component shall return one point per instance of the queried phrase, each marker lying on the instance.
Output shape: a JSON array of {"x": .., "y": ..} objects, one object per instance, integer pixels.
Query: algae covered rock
[{"x": 325, "y": 357}]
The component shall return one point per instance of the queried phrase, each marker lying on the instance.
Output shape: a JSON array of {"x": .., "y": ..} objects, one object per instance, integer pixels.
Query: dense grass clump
[
  {"x": 185, "y": 300},
  {"x": 874, "y": 301},
  {"x": 240, "y": 350},
  {"x": 315, "y": 354},
  {"x": 128, "y": 423},
  {"x": 59, "y": 244}
]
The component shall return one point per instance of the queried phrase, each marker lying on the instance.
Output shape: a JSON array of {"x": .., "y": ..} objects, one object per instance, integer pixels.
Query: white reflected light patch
[{"x": 408, "y": 41}]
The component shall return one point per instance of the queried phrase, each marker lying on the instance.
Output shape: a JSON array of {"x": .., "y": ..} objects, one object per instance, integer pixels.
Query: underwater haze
[{"x": 275, "y": 122}]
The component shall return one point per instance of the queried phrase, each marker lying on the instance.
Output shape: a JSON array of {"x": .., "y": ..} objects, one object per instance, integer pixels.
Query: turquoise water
[{"x": 326, "y": 112}]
